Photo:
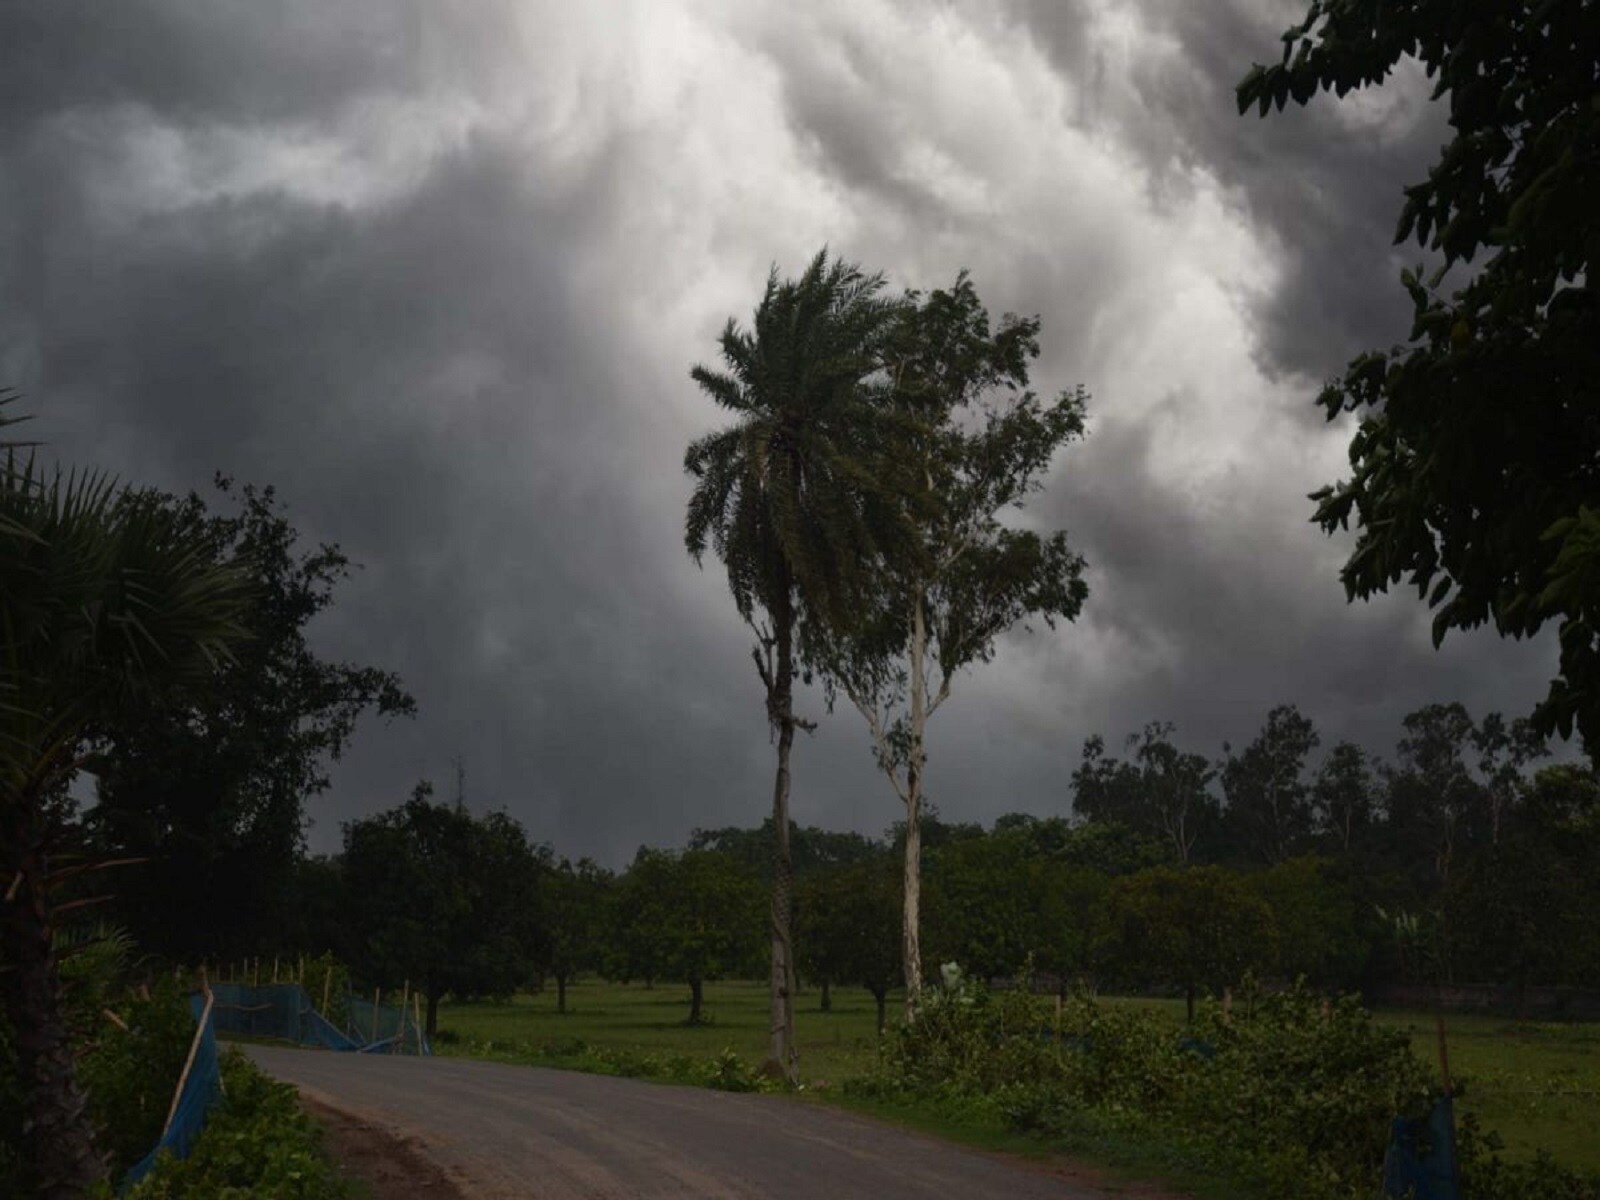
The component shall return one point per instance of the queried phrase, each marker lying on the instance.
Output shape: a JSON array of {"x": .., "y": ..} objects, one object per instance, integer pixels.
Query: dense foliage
[
  {"x": 444, "y": 900},
  {"x": 1286, "y": 1095},
  {"x": 211, "y": 787},
  {"x": 131, "y": 1035},
  {"x": 1473, "y": 466},
  {"x": 258, "y": 1141}
]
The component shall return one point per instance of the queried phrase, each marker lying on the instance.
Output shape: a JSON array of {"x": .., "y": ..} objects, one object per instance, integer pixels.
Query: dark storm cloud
[
  {"x": 1329, "y": 193},
  {"x": 231, "y": 61},
  {"x": 320, "y": 247},
  {"x": 419, "y": 379}
]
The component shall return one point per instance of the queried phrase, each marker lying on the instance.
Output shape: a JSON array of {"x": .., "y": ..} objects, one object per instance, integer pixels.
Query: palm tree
[
  {"x": 790, "y": 500},
  {"x": 103, "y": 597}
]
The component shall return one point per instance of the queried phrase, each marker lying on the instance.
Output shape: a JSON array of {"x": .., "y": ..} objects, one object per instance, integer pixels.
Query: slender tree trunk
[
  {"x": 696, "y": 999},
  {"x": 881, "y": 995},
  {"x": 561, "y": 993},
  {"x": 433, "y": 1013},
  {"x": 782, "y": 1055},
  {"x": 911, "y": 940},
  {"x": 827, "y": 998},
  {"x": 60, "y": 1136}
]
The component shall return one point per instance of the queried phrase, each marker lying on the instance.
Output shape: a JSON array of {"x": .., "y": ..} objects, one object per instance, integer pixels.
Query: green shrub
[
  {"x": 257, "y": 1143},
  {"x": 1487, "y": 1176},
  {"x": 130, "y": 1074},
  {"x": 1295, "y": 1099}
]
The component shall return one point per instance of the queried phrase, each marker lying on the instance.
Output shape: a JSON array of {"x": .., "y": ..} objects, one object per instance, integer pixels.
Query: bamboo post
[
  {"x": 377, "y": 994},
  {"x": 400, "y": 1030},
  {"x": 274, "y": 968},
  {"x": 205, "y": 982},
  {"x": 327, "y": 984},
  {"x": 416, "y": 1009},
  {"x": 1444, "y": 1055},
  {"x": 257, "y": 980},
  {"x": 302, "y": 979},
  {"x": 188, "y": 1064}
]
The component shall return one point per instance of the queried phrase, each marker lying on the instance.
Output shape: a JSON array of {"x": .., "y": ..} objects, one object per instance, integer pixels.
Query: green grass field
[{"x": 1537, "y": 1084}]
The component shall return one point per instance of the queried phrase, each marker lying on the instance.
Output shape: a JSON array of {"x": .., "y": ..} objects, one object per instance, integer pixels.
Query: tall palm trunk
[
  {"x": 60, "y": 1138},
  {"x": 782, "y": 1056}
]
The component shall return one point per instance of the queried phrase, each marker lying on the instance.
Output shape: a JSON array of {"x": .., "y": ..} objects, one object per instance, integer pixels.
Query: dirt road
[{"x": 503, "y": 1131}]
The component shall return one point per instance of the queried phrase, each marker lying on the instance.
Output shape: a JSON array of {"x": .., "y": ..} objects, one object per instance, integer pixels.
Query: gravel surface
[{"x": 505, "y": 1131}]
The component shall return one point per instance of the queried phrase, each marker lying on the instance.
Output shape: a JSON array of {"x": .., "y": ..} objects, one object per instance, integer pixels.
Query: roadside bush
[
  {"x": 130, "y": 1073},
  {"x": 257, "y": 1142},
  {"x": 1295, "y": 1099}
]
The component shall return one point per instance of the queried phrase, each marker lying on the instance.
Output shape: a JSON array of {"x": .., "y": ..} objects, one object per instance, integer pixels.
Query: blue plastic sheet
[
  {"x": 278, "y": 1010},
  {"x": 285, "y": 1011},
  {"x": 200, "y": 1091},
  {"x": 1421, "y": 1162}
]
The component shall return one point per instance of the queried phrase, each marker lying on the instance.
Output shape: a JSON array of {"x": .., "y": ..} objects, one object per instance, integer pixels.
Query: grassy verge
[{"x": 1538, "y": 1084}]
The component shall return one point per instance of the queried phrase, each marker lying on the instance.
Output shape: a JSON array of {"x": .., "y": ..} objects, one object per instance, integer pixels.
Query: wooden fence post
[{"x": 188, "y": 1064}]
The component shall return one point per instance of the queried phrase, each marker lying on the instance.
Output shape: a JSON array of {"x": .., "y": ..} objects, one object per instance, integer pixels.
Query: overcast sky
[{"x": 438, "y": 271}]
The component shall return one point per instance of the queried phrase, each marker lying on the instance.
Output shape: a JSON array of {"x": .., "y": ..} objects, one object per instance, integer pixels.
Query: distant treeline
[{"x": 1461, "y": 860}]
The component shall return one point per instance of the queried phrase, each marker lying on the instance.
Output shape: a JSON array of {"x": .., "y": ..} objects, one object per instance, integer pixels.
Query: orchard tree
[
  {"x": 848, "y": 928},
  {"x": 444, "y": 900},
  {"x": 983, "y": 905},
  {"x": 969, "y": 441},
  {"x": 698, "y": 914},
  {"x": 1111, "y": 848},
  {"x": 106, "y": 601},
  {"x": 1473, "y": 468},
  {"x": 574, "y": 905},
  {"x": 1269, "y": 800},
  {"x": 786, "y": 498},
  {"x": 1320, "y": 912},
  {"x": 1192, "y": 927},
  {"x": 211, "y": 788},
  {"x": 1070, "y": 922},
  {"x": 810, "y": 848}
]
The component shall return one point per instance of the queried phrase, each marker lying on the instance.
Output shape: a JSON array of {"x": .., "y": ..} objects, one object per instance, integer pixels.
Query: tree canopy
[
  {"x": 444, "y": 900},
  {"x": 966, "y": 441},
  {"x": 1474, "y": 470},
  {"x": 211, "y": 786}
]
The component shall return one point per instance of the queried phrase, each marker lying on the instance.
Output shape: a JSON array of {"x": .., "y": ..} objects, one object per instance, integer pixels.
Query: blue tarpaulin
[
  {"x": 1421, "y": 1162},
  {"x": 200, "y": 1091},
  {"x": 279, "y": 1010}
]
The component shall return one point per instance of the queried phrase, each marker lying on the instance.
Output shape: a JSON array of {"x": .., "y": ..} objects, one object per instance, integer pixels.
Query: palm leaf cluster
[
  {"x": 792, "y": 496},
  {"x": 101, "y": 594}
]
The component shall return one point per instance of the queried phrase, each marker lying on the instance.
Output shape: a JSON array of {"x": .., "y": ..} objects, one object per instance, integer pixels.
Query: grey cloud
[
  {"x": 432, "y": 380},
  {"x": 233, "y": 61},
  {"x": 1330, "y": 195}
]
